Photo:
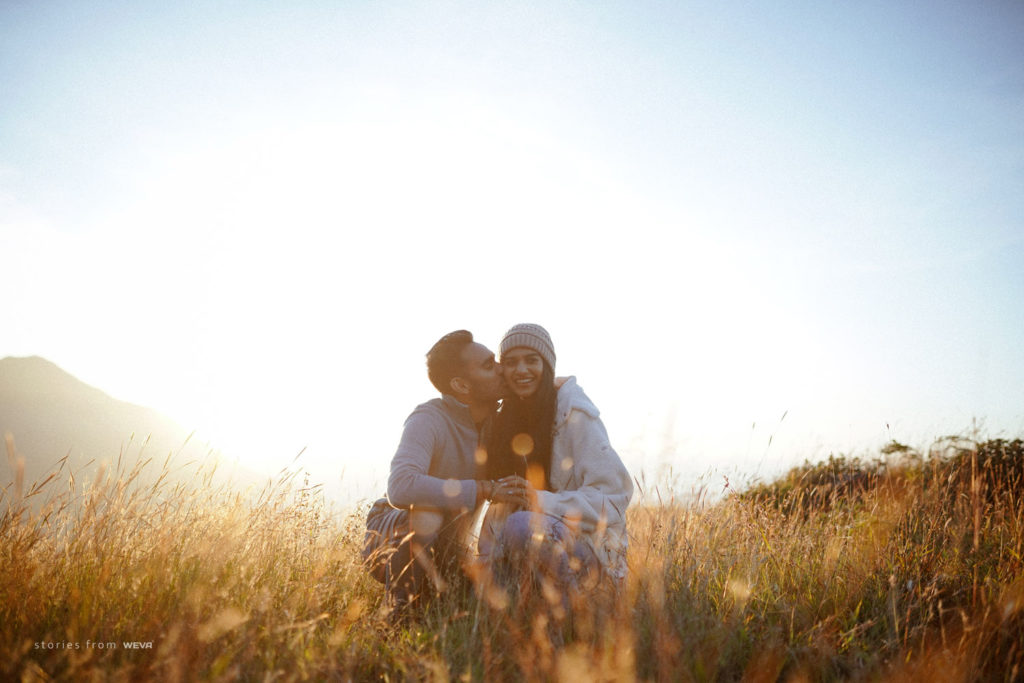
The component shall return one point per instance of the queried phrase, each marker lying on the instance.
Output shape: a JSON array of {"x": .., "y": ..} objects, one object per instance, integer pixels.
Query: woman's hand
[
  {"x": 517, "y": 491},
  {"x": 501, "y": 491}
]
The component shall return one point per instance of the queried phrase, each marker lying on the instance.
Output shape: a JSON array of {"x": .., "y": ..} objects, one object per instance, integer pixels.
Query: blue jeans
[
  {"x": 388, "y": 550},
  {"x": 544, "y": 544}
]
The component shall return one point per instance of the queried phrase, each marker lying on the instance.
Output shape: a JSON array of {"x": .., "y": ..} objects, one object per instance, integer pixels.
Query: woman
[{"x": 548, "y": 441}]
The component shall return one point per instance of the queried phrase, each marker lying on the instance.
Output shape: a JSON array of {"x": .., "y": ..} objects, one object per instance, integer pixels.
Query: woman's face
[{"x": 523, "y": 369}]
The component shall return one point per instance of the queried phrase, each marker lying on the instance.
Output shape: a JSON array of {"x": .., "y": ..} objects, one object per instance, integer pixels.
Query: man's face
[{"x": 482, "y": 374}]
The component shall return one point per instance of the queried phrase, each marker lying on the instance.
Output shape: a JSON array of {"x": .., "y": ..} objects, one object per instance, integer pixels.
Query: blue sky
[{"x": 257, "y": 217}]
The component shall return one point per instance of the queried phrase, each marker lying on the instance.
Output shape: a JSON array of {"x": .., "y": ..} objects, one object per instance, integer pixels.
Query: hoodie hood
[{"x": 570, "y": 398}]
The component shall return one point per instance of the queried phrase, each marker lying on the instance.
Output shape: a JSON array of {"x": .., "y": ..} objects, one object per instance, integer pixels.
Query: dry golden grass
[{"x": 844, "y": 570}]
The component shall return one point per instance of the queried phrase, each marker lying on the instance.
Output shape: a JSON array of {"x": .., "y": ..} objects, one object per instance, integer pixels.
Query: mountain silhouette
[{"x": 50, "y": 414}]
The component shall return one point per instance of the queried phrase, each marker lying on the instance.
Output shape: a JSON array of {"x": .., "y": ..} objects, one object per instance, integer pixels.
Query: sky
[{"x": 758, "y": 233}]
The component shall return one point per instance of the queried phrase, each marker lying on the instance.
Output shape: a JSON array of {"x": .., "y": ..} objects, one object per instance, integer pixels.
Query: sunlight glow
[{"x": 746, "y": 243}]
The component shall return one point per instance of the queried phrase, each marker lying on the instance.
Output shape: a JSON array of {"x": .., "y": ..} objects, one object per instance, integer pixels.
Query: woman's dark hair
[
  {"x": 444, "y": 359},
  {"x": 533, "y": 416}
]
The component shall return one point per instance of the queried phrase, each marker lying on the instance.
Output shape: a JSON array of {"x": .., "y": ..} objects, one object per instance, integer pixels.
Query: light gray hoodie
[{"x": 591, "y": 488}]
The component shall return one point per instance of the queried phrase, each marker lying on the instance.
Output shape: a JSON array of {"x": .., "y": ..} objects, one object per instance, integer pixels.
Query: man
[{"x": 434, "y": 486}]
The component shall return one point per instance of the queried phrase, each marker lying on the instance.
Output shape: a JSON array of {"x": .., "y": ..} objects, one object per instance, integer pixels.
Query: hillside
[{"x": 51, "y": 414}]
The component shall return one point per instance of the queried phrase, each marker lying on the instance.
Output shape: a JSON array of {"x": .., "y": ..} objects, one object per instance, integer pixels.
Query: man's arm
[{"x": 410, "y": 482}]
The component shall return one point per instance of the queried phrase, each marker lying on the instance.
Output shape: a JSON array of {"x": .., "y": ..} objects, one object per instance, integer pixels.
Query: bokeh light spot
[
  {"x": 452, "y": 488},
  {"x": 522, "y": 444},
  {"x": 535, "y": 475}
]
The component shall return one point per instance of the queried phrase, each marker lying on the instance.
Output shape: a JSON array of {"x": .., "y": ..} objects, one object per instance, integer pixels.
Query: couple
[{"x": 557, "y": 490}]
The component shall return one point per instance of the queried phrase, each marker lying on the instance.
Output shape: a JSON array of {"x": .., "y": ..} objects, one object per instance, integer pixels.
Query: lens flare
[
  {"x": 452, "y": 488},
  {"x": 522, "y": 444},
  {"x": 535, "y": 475}
]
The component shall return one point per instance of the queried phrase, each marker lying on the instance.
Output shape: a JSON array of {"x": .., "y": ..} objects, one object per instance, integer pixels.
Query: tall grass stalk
[{"x": 906, "y": 567}]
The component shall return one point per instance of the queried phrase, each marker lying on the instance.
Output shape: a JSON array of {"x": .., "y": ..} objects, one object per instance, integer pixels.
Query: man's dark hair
[{"x": 444, "y": 359}]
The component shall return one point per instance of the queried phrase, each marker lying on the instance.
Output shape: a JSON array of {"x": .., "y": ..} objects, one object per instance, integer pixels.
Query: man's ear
[{"x": 459, "y": 385}]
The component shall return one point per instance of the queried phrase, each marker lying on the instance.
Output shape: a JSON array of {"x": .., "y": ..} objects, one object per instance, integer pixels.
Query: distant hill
[{"x": 51, "y": 414}]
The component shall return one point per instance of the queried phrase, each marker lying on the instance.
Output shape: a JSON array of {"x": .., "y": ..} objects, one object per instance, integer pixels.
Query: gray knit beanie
[{"x": 532, "y": 337}]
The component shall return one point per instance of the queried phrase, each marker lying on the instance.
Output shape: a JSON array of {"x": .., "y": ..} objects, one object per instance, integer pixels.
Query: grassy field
[{"x": 902, "y": 567}]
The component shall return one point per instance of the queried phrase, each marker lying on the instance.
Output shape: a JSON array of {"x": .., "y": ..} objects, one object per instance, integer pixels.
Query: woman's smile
[
  {"x": 524, "y": 383},
  {"x": 523, "y": 369}
]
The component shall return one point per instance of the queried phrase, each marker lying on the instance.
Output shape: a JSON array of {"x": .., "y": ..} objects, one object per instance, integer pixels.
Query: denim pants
[
  {"x": 546, "y": 545},
  {"x": 387, "y": 550}
]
